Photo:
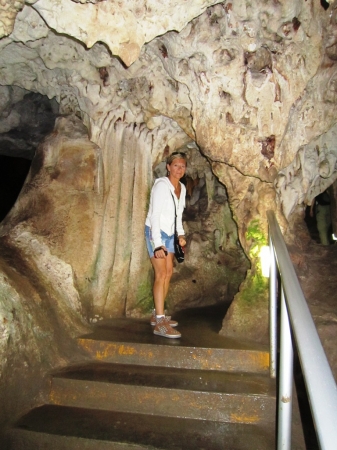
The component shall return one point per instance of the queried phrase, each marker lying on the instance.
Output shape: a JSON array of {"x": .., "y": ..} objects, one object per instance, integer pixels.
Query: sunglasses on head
[{"x": 178, "y": 153}]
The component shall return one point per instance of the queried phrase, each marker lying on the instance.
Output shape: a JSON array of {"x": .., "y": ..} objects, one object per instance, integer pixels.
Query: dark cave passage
[
  {"x": 36, "y": 115},
  {"x": 313, "y": 230},
  {"x": 13, "y": 173}
]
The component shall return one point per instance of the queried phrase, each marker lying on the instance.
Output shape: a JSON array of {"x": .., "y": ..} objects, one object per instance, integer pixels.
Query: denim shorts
[{"x": 168, "y": 241}]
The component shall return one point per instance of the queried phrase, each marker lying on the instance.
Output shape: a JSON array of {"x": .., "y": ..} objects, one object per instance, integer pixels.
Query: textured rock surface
[
  {"x": 315, "y": 266},
  {"x": 250, "y": 84},
  {"x": 25, "y": 119},
  {"x": 123, "y": 27},
  {"x": 239, "y": 80},
  {"x": 40, "y": 306}
]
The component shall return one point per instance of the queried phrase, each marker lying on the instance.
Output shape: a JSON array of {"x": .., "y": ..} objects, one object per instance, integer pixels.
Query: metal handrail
[{"x": 297, "y": 321}]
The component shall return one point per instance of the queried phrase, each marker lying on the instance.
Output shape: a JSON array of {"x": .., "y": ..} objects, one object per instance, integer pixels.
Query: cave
[
  {"x": 26, "y": 118},
  {"x": 94, "y": 96},
  {"x": 13, "y": 172}
]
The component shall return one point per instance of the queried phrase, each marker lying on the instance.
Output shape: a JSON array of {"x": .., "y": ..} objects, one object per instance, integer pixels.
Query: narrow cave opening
[
  {"x": 25, "y": 119},
  {"x": 13, "y": 172},
  {"x": 320, "y": 217},
  {"x": 325, "y": 4}
]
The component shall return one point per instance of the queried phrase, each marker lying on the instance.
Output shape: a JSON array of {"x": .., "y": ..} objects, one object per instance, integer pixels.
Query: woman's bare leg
[
  {"x": 169, "y": 272},
  {"x": 163, "y": 269}
]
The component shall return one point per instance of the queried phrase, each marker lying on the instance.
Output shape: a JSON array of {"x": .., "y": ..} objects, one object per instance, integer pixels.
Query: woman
[{"x": 159, "y": 232}]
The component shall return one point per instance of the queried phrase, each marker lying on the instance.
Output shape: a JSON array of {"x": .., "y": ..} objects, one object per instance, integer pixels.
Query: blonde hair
[{"x": 176, "y": 155}]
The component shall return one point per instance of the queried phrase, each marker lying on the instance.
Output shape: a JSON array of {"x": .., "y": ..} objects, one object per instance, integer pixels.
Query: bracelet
[{"x": 159, "y": 248}]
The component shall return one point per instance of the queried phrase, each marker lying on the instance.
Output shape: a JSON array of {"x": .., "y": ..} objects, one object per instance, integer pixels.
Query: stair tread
[
  {"x": 139, "y": 331},
  {"x": 148, "y": 430},
  {"x": 171, "y": 378},
  {"x": 141, "y": 391}
]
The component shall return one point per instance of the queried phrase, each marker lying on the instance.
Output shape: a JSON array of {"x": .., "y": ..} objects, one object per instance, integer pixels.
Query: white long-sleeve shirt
[{"x": 161, "y": 210}]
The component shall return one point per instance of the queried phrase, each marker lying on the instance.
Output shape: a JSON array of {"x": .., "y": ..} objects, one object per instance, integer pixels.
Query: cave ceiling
[{"x": 252, "y": 83}]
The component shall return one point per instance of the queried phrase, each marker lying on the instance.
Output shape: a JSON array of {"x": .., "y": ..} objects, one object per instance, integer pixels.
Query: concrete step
[
  {"x": 127, "y": 341},
  {"x": 167, "y": 391},
  {"x": 65, "y": 428},
  {"x": 140, "y": 391}
]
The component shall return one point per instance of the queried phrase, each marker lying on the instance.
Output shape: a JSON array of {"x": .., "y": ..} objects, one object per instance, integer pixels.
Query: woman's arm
[
  {"x": 158, "y": 201},
  {"x": 180, "y": 228}
]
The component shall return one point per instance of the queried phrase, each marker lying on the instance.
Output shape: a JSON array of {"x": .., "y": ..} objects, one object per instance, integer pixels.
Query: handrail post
[
  {"x": 319, "y": 380},
  {"x": 272, "y": 310},
  {"x": 286, "y": 380}
]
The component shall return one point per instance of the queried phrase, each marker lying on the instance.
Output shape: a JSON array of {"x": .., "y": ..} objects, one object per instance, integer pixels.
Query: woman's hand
[
  {"x": 182, "y": 241},
  {"x": 160, "y": 252}
]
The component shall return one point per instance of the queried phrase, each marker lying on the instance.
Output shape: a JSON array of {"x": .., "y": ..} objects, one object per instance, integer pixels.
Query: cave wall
[
  {"x": 40, "y": 309},
  {"x": 250, "y": 84},
  {"x": 241, "y": 79}
]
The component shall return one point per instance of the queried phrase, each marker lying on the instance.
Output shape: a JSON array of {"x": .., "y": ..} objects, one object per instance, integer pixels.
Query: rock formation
[{"x": 250, "y": 86}]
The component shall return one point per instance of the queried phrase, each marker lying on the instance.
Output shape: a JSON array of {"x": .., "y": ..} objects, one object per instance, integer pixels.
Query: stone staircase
[{"x": 140, "y": 391}]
